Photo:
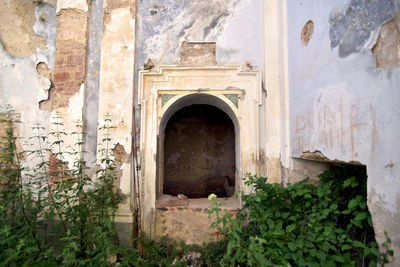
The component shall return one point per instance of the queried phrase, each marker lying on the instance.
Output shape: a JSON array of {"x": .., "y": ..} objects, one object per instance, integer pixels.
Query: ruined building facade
[{"x": 201, "y": 92}]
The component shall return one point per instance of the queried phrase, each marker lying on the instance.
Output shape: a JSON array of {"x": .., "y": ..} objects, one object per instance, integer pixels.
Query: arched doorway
[{"x": 199, "y": 153}]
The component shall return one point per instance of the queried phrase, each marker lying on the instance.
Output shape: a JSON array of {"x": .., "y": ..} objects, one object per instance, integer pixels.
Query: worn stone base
[
  {"x": 181, "y": 223},
  {"x": 189, "y": 220}
]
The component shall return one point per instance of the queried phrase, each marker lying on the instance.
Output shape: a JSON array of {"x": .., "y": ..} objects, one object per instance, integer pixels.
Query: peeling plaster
[
  {"x": 387, "y": 47},
  {"x": 116, "y": 88},
  {"x": 18, "y": 77},
  {"x": 17, "y": 35},
  {"x": 28, "y": 76},
  {"x": 160, "y": 34},
  {"x": 46, "y": 26},
  {"x": 307, "y": 32},
  {"x": 116, "y": 77},
  {"x": 71, "y": 115},
  {"x": 351, "y": 26},
  {"x": 341, "y": 104}
]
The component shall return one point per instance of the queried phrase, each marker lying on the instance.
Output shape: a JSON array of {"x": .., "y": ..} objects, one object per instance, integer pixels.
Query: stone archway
[
  {"x": 165, "y": 91},
  {"x": 199, "y": 153},
  {"x": 198, "y": 148}
]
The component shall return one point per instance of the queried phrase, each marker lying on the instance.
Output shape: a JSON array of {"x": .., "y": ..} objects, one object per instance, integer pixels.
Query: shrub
[{"x": 302, "y": 224}]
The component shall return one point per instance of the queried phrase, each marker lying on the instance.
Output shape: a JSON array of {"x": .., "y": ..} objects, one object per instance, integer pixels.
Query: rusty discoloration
[
  {"x": 198, "y": 53},
  {"x": 387, "y": 47}
]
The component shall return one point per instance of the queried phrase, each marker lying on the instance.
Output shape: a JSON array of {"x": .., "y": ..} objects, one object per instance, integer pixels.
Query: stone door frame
[{"x": 162, "y": 92}]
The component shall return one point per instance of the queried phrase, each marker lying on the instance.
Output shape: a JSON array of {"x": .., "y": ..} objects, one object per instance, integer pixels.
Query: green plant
[
  {"x": 302, "y": 224},
  {"x": 20, "y": 242},
  {"x": 54, "y": 213}
]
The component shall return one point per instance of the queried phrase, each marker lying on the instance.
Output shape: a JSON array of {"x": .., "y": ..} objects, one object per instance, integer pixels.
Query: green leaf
[
  {"x": 361, "y": 216},
  {"x": 338, "y": 258},
  {"x": 348, "y": 182},
  {"x": 292, "y": 246},
  {"x": 231, "y": 245},
  {"x": 290, "y": 228},
  {"x": 352, "y": 203}
]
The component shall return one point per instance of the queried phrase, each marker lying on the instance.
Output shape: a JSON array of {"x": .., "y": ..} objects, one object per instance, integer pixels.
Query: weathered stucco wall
[
  {"x": 343, "y": 102},
  {"x": 27, "y": 51},
  {"x": 116, "y": 90},
  {"x": 331, "y": 84},
  {"x": 235, "y": 25}
]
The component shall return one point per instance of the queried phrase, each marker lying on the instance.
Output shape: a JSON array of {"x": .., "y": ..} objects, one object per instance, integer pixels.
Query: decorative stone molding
[{"x": 163, "y": 92}]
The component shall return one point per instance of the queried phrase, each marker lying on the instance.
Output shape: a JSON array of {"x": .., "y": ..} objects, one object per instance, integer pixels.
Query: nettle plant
[
  {"x": 303, "y": 224},
  {"x": 54, "y": 213}
]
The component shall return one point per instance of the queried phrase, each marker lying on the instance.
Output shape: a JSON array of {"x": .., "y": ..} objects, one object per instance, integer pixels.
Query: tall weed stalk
[{"x": 54, "y": 213}]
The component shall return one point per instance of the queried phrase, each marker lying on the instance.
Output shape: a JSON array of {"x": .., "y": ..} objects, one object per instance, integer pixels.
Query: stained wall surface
[
  {"x": 344, "y": 102},
  {"x": 330, "y": 90}
]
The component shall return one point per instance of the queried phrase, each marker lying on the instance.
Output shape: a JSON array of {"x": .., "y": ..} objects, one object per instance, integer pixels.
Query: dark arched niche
[{"x": 198, "y": 152}]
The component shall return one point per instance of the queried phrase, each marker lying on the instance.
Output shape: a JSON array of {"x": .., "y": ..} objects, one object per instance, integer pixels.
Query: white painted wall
[{"x": 346, "y": 108}]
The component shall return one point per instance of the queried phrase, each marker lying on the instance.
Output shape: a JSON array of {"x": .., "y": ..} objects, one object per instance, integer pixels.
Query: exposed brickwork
[
  {"x": 70, "y": 59},
  {"x": 198, "y": 53},
  {"x": 58, "y": 170}
]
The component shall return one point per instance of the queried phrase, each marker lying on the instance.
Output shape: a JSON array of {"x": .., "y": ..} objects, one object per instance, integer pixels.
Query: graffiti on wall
[{"x": 337, "y": 123}]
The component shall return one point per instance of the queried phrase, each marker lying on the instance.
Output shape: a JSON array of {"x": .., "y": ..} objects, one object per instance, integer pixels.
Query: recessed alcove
[
  {"x": 199, "y": 153},
  {"x": 197, "y": 148},
  {"x": 179, "y": 105}
]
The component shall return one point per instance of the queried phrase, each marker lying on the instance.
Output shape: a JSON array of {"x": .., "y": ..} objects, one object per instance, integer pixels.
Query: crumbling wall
[
  {"x": 27, "y": 35},
  {"x": 115, "y": 92},
  {"x": 235, "y": 25},
  {"x": 344, "y": 96},
  {"x": 16, "y": 28}
]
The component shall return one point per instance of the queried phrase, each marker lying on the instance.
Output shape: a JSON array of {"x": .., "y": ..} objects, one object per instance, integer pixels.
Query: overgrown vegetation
[
  {"x": 303, "y": 224},
  {"x": 55, "y": 214}
]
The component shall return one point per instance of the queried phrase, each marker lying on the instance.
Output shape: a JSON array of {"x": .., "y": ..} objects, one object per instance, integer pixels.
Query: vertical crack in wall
[{"x": 91, "y": 104}]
